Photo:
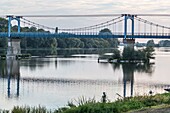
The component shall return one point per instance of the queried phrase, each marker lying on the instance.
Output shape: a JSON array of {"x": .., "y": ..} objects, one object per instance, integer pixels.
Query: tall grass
[
  {"x": 87, "y": 105},
  {"x": 122, "y": 105},
  {"x": 83, "y": 100},
  {"x": 4, "y": 111},
  {"x": 28, "y": 109}
]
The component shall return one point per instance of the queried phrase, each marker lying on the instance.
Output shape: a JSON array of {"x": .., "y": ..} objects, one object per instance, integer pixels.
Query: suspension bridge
[{"x": 140, "y": 28}]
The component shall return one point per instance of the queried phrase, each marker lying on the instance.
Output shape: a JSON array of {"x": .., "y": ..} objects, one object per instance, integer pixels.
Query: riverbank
[
  {"x": 139, "y": 104},
  {"x": 155, "y": 109},
  {"x": 123, "y": 105}
]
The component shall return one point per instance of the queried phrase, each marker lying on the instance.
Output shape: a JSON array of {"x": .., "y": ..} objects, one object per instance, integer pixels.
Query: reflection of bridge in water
[
  {"x": 10, "y": 69},
  {"x": 128, "y": 74}
]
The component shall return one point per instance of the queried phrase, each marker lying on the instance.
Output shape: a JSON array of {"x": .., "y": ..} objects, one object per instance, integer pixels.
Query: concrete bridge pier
[
  {"x": 129, "y": 42},
  {"x": 14, "y": 47}
]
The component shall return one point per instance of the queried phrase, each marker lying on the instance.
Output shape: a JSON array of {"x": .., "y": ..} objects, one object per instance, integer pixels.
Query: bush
[{"x": 91, "y": 106}]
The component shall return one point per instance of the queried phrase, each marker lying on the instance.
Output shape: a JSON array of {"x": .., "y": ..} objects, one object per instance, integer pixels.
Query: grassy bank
[
  {"x": 122, "y": 105},
  {"x": 91, "y": 106}
]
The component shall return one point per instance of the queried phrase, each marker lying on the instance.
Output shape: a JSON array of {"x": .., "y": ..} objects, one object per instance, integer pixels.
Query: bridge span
[
  {"x": 126, "y": 26},
  {"x": 120, "y": 26},
  {"x": 85, "y": 35}
]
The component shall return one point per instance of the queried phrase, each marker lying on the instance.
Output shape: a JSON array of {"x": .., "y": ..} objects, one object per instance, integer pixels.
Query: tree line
[{"x": 57, "y": 42}]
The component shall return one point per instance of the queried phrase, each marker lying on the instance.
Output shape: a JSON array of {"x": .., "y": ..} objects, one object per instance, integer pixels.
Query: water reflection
[
  {"x": 10, "y": 70},
  {"x": 65, "y": 52},
  {"x": 128, "y": 73},
  {"x": 76, "y": 73}
]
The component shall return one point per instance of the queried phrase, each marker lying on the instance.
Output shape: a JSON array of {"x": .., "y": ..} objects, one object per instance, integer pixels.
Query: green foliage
[
  {"x": 3, "y": 43},
  {"x": 150, "y": 43},
  {"x": 92, "y": 106},
  {"x": 4, "y": 111},
  {"x": 3, "y": 25},
  {"x": 28, "y": 109},
  {"x": 164, "y": 43},
  {"x": 140, "y": 54},
  {"x": 149, "y": 52},
  {"x": 130, "y": 54},
  {"x": 39, "y": 43},
  {"x": 3, "y": 28},
  {"x": 122, "y": 105},
  {"x": 85, "y": 43},
  {"x": 113, "y": 42},
  {"x": 83, "y": 100},
  {"x": 116, "y": 54},
  {"x": 105, "y": 31}
]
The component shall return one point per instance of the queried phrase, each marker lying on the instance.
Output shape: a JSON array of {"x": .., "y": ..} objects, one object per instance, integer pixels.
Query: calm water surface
[{"x": 52, "y": 78}]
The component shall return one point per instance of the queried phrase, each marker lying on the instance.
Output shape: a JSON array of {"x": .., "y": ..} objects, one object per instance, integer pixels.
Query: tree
[
  {"x": 53, "y": 43},
  {"x": 14, "y": 28},
  {"x": 25, "y": 29},
  {"x": 116, "y": 54},
  {"x": 150, "y": 43},
  {"x": 149, "y": 52},
  {"x": 128, "y": 53},
  {"x": 3, "y": 42},
  {"x": 32, "y": 29},
  {"x": 41, "y": 30},
  {"x": 139, "y": 55},
  {"x": 61, "y": 43},
  {"x": 3, "y": 28},
  {"x": 3, "y": 25},
  {"x": 105, "y": 31},
  {"x": 113, "y": 42},
  {"x": 164, "y": 43}
]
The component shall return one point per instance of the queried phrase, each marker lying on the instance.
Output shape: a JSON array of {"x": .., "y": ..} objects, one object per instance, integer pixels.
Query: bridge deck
[{"x": 60, "y": 35}]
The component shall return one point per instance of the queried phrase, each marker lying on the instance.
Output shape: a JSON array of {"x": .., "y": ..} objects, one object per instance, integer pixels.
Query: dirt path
[
  {"x": 165, "y": 109},
  {"x": 160, "y": 110}
]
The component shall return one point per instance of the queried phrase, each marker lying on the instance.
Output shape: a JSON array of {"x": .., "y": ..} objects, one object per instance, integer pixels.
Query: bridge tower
[
  {"x": 129, "y": 40},
  {"x": 13, "y": 43}
]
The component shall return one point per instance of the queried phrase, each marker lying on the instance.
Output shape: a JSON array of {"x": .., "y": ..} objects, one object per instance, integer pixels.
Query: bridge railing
[{"x": 83, "y": 35}]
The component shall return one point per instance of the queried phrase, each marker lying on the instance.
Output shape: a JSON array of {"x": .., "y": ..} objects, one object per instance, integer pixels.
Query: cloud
[
  {"x": 82, "y": 6},
  {"x": 33, "y": 7}
]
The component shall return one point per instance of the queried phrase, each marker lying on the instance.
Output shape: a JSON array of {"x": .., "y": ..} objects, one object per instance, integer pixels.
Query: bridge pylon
[
  {"x": 13, "y": 43},
  {"x": 129, "y": 39}
]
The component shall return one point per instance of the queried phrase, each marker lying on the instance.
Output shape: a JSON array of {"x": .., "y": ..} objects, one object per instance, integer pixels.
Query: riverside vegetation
[
  {"x": 53, "y": 43},
  {"x": 92, "y": 106},
  {"x": 129, "y": 55}
]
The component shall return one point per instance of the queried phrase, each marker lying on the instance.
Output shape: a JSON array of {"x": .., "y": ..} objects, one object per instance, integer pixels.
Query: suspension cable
[
  {"x": 91, "y": 27},
  {"x": 148, "y": 22},
  {"x": 36, "y": 24}
]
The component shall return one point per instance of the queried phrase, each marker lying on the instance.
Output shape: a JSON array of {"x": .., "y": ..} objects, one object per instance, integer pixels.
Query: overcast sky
[
  {"x": 83, "y": 6},
  {"x": 33, "y": 7},
  {"x": 55, "y": 7}
]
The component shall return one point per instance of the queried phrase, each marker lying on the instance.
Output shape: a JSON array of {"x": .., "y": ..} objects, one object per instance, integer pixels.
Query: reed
[{"x": 90, "y": 105}]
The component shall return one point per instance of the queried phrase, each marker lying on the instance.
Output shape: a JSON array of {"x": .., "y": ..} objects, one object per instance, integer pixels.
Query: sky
[
  {"x": 19, "y": 7},
  {"x": 57, "y": 7}
]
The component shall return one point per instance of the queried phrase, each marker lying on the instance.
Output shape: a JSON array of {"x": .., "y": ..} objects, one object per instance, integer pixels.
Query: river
[{"x": 52, "y": 78}]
